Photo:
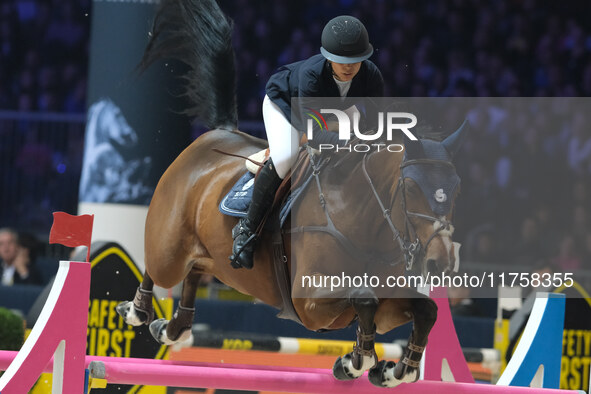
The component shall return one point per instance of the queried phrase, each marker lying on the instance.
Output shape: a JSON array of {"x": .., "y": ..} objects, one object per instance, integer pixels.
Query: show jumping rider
[{"x": 341, "y": 70}]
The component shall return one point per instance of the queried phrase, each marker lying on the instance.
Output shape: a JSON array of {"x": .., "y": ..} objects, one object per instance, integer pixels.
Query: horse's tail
[{"x": 197, "y": 33}]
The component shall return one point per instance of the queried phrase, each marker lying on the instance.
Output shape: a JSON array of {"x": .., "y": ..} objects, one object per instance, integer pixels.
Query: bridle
[{"x": 408, "y": 241}]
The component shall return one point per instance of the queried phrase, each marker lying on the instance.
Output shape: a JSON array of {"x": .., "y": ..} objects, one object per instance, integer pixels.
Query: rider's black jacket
[{"x": 313, "y": 78}]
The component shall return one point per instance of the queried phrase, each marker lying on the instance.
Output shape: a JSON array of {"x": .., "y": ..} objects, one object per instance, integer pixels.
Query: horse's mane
[{"x": 197, "y": 33}]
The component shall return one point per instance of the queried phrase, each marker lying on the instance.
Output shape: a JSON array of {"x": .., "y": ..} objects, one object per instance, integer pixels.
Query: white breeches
[{"x": 284, "y": 140}]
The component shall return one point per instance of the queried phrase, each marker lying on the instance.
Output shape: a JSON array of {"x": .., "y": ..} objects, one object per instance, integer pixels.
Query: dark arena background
[{"x": 66, "y": 66}]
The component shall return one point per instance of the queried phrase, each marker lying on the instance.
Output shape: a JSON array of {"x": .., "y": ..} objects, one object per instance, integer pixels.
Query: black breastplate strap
[{"x": 330, "y": 228}]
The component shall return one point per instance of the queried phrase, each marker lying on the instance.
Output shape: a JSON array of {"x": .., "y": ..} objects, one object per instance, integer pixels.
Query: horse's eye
[{"x": 413, "y": 192}]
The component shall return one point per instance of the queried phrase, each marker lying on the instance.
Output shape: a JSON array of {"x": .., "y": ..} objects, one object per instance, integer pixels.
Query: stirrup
[
  {"x": 241, "y": 229},
  {"x": 234, "y": 258}
]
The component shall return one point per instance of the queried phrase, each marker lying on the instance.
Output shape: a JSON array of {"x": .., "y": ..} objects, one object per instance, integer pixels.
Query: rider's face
[{"x": 345, "y": 72}]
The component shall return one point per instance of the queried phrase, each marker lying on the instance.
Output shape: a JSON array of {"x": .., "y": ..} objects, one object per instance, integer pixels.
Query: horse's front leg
[
  {"x": 407, "y": 370},
  {"x": 179, "y": 328},
  {"x": 140, "y": 310},
  {"x": 363, "y": 357}
]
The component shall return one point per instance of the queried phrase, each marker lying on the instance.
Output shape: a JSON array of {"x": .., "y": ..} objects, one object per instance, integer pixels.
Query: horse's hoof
[
  {"x": 185, "y": 340},
  {"x": 130, "y": 314},
  {"x": 158, "y": 331},
  {"x": 344, "y": 368},
  {"x": 340, "y": 371},
  {"x": 382, "y": 375}
]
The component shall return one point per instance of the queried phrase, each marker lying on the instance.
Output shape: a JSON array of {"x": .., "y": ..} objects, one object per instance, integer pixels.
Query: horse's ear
[
  {"x": 453, "y": 142},
  {"x": 413, "y": 149}
]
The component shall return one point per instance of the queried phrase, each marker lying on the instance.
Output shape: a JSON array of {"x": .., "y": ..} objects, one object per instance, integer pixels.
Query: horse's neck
[
  {"x": 351, "y": 203},
  {"x": 349, "y": 189},
  {"x": 383, "y": 169}
]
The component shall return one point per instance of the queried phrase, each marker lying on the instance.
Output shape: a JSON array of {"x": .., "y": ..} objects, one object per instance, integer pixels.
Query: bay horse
[{"x": 383, "y": 205}]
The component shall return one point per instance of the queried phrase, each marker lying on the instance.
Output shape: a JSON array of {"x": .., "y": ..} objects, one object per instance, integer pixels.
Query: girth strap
[
  {"x": 282, "y": 274},
  {"x": 330, "y": 228}
]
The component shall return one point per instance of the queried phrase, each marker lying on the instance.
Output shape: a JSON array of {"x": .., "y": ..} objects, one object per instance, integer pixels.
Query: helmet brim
[{"x": 347, "y": 59}]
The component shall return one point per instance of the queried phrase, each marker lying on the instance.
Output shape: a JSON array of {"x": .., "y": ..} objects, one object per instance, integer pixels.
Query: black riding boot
[{"x": 265, "y": 186}]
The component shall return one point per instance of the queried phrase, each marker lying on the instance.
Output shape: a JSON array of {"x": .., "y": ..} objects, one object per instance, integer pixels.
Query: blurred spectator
[
  {"x": 481, "y": 247},
  {"x": 586, "y": 251},
  {"x": 431, "y": 48},
  {"x": 29, "y": 248},
  {"x": 43, "y": 53},
  {"x": 528, "y": 248},
  {"x": 17, "y": 255},
  {"x": 579, "y": 146},
  {"x": 567, "y": 260},
  {"x": 438, "y": 49}
]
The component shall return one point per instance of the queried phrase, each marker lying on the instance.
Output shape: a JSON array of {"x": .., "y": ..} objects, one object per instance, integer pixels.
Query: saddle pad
[
  {"x": 236, "y": 202},
  {"x": 238, "y": 199}
]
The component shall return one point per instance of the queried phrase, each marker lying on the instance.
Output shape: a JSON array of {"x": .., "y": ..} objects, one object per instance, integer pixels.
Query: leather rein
[{"x": 409, "y": 242}]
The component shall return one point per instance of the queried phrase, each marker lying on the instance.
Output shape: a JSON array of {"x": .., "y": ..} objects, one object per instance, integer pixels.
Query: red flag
[{"x": 72, "y": 231}]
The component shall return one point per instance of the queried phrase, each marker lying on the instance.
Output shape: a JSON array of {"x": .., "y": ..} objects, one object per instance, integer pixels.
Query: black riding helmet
[{"x": 345, "y": 40}]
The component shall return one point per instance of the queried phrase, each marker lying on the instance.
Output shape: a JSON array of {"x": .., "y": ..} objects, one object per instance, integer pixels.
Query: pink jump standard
[{"x": 67, "y": 302}]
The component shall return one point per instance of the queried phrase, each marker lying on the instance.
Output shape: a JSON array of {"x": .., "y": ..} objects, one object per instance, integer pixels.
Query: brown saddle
[{"x": 294, "y": 178}]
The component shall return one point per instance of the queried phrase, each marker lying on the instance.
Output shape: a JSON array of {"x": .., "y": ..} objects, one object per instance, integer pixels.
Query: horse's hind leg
[
  {"x": 179, "y": 328},
  {"x": 140, "y": 310},
  {"x": 389, "y": 374},
  {"x": 363, "y": 356}
]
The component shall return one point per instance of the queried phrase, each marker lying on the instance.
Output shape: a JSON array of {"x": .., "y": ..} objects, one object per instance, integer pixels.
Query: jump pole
[
  {"x": 279, "y": 381},
  {"x": 252, "y": 377},
  {"x": 234, "y": 340}
]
